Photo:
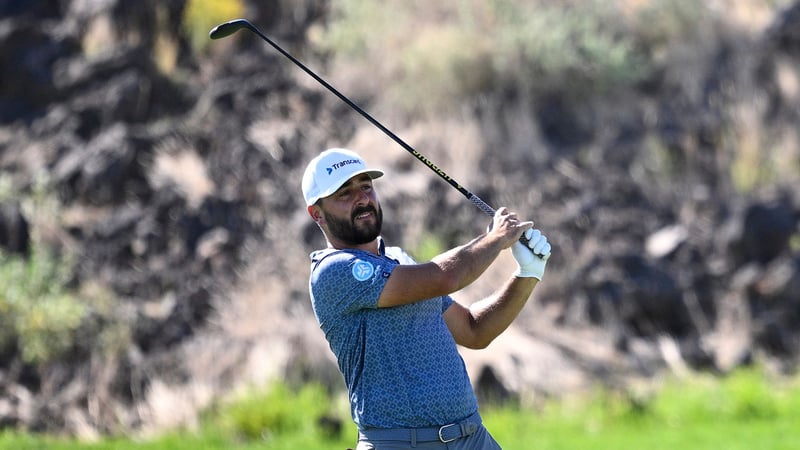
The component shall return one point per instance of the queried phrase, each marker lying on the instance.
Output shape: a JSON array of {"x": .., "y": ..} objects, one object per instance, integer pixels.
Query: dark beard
[{"x": 346, "y": 230}]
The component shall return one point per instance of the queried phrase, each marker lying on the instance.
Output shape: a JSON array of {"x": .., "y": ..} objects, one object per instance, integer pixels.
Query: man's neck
[{"x": 371, "y": 247}]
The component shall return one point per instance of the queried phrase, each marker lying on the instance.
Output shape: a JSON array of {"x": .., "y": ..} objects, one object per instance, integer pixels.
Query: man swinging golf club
[{"x": 391, "y": 322}]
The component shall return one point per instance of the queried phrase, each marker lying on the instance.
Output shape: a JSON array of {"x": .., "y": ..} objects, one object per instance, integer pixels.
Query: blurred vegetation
[
  {"x": 428, "y": 246},
  {"x": 37, "y": 312},
  {"x": 744, "y": 410},
  {"x": 45, "y": 317},
  {"x": 44, "y": 313},
  {"x": 746, "y": 395},
  {"x": 200, "y": 16},
  {"x": 466, "y": 48},
  {"x": 279, "y": 411}
]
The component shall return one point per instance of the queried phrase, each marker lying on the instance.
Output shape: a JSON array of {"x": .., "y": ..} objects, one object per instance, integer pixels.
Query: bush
[
  {"x": 39, "y": 315},
  {"x": 281, "y": 411},
  {"x": 43, "y": 320},
  {"x": 42, "y": 315}
]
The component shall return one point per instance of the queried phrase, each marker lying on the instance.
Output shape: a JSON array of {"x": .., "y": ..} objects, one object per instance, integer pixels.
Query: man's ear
[{"x": 316, "y": 213}]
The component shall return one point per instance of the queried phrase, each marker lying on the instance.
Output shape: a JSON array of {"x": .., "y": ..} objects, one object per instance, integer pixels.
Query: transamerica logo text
[{"x": 341, "y": 164}]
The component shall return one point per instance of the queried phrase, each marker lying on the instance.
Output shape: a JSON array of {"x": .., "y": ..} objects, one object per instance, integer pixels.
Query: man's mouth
[{"x": 362, "y": 215}]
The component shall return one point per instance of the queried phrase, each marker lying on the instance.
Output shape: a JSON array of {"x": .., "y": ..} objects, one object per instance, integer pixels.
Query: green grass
[
  {"x": 547, "y": 434},
  {"x": 743, "y": 411}
]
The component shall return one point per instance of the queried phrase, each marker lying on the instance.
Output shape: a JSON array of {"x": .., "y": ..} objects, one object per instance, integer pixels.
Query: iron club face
[{"x": 228, "y": 28}]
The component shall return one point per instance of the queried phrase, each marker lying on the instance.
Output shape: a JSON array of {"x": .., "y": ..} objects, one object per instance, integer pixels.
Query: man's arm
[
  {"x": 454, "y": 269},
  {"x": 478, "y": 325}
]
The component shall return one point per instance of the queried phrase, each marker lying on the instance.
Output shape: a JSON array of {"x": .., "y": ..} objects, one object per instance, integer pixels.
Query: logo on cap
[{"x": 342, "y": 164}]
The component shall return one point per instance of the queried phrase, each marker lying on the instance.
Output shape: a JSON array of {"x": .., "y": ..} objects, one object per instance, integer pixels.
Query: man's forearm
[
  {"x": 492, "y": 315},
  {"x": 466, "y": 263}
]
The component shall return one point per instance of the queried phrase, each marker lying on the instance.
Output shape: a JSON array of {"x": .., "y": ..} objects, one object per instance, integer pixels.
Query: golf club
[{"x": 228, "y": 28}]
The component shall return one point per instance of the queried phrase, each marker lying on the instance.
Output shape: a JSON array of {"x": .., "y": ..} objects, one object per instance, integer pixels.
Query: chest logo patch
[{"x": 363, "y": 270}]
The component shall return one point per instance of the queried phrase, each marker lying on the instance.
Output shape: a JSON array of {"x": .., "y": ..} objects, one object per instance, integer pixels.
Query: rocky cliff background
[{"x": 165, "y": 179}]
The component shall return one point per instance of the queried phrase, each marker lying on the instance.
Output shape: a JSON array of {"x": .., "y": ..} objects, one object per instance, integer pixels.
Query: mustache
[{"x": 363, "y": 209}]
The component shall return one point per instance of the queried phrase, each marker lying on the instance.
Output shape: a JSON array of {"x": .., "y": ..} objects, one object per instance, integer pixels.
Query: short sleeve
[
  {"x": 344, "y": 282},
  {"x": 447, "y": 301}
]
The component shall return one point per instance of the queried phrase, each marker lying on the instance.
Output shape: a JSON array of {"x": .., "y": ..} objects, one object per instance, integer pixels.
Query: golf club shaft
[
  {"x": 231, "y": 27},
  {"x": 228, "y": 28}
]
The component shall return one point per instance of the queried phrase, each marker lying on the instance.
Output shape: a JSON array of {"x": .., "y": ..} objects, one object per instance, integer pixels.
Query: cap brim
[{"x": 373, "y": 173}]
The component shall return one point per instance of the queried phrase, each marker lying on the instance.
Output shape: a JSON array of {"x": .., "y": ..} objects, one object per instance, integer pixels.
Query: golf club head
[{"x": 228, "y": 28}]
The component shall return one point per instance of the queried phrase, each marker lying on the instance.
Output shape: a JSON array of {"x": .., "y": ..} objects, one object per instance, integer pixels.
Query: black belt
[{"x": 444, "y": 433}]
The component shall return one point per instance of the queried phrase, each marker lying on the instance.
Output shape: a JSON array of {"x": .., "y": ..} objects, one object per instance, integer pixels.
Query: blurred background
[{"x": 154, "y": 242}]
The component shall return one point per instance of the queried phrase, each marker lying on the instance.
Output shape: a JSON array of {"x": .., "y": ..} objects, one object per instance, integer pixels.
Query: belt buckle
[{"x": 441, "y": 438}]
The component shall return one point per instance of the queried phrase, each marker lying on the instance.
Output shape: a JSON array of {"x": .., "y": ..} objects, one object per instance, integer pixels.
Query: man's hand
[
  {"x": 506, "y": 227},
  {"x": 530, "y": 264}
]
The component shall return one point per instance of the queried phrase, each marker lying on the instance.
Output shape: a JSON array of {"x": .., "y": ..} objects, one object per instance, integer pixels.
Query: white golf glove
[{"x": 530, "y": 264}]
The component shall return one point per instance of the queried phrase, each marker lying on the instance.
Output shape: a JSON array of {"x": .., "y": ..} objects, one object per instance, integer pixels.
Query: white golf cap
[{"x": 326, "y": 173}]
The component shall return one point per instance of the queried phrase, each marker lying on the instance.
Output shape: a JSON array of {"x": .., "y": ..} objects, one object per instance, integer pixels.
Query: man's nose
[{"x": 362, "y": 198}]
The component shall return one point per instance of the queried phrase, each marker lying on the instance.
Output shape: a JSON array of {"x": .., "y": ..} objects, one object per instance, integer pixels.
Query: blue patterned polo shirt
[{"x": 400, "y": 364}]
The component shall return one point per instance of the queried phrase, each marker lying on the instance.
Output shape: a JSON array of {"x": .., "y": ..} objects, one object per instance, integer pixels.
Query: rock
[
  {"x": 104, "y": 172},
  {"x": 665, "y": 241},
  {"x": 14, "y": 229},
  {"x": 731, "y": 343},
  {"x": 785, "y": 32},
  {"x": 29, "y": 51},
  {"x": 629, "y": 291},
  {"x": 767, "y": 230},
  {"x": 518, "y": 366}
]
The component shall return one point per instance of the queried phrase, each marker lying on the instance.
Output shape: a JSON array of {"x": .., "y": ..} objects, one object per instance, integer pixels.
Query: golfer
[{"x": 390, "y": 320}]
